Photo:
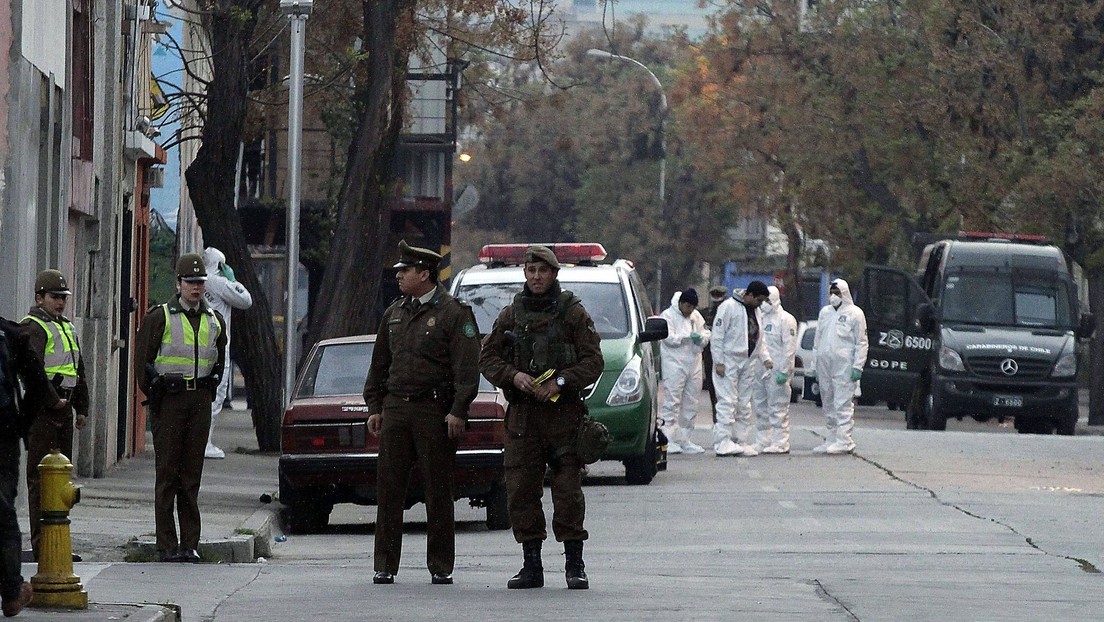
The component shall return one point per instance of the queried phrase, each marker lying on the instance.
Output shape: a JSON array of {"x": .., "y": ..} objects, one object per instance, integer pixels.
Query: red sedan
[{"x": 329, "y": 457}]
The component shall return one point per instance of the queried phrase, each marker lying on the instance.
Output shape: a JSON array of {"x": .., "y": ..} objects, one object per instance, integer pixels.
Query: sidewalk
[{"x": 113, "y": 522}]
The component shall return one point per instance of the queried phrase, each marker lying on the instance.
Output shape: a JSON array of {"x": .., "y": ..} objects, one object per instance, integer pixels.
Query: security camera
[{"x": 142, "y": 124}]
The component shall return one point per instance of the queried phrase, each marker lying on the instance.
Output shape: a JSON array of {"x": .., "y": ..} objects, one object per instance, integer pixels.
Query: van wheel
[
  {"x": 1067, "y": 426},
  {"x": 498, "y": 510},
  {"x": 937, "y": 419},
  {"x": 641, "y": 470},
  {"x": 915, "y": 417}
]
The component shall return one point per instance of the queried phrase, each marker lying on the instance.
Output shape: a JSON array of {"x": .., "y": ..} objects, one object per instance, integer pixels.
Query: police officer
[
  {"x": 181, "y": 349},
  {"x": 54, "y": 339},
  {"x": 544, "y": 328},
  {"x": 423, "y": 377},
  {"x": 19, "y": 364}
]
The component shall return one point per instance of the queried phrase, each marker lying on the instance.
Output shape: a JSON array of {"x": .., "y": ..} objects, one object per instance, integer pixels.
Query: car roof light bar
[
  {"x": 1010, "y": 237},
  {"x": 566, "y": 252}
]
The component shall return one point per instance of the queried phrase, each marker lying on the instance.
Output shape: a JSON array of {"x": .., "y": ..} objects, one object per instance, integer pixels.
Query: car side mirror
[
  {"x": 926, "y": 316},
  {"x": 1087, "y": 325},
  {"x": 655, "y": 328}
]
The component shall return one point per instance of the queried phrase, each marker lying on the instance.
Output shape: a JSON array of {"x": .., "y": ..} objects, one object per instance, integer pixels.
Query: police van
[
  {"x": 986, "y": 328},
  {"x": 625, "y": 397}
]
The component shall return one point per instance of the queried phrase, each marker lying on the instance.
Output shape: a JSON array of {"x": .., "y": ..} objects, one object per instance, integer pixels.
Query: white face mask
[
  {"x": 835, "y": 301},
  {"x": 766, "y": 306}
]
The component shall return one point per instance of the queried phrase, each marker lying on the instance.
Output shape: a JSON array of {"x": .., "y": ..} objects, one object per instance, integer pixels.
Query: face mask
[
  {"x": 835, "y": 301},
  {"x": 766, "y": 307}
]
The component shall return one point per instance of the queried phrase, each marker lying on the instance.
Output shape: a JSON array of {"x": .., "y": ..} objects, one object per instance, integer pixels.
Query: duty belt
[{"x": 191, "y": 384}]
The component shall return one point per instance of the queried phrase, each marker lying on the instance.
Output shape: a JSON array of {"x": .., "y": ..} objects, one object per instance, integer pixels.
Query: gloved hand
[
  {"x": 696, "y": 338},
  {"x": 810, "y": 373},
  {"x": 780, "y": 377},
  {"x": 856, "y": 374},
  {"x": 228, "y": 272}
]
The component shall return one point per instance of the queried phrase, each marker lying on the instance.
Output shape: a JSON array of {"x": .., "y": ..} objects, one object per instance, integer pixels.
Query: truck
[{"x": 987, "y": 327}]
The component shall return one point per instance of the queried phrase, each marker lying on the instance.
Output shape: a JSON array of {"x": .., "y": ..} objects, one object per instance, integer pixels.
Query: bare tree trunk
[
  {"x": 351, "y": 281},
  {"x": 210, "y": 181},
  {"x": 1096, "y": 346},
  {"x": 794, "y": 245}
]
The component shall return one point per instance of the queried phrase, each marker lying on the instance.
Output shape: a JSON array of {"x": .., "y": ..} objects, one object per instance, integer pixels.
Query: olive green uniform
[
  {"x": 541, "y": 434},
  {"x": 180, "y": 425},
  {"x": 424, "y": 367},
  {"x": 50, "y": 429}
]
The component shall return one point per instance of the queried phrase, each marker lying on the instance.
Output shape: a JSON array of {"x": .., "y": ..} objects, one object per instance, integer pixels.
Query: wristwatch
[{"x": 560, "y": 381}]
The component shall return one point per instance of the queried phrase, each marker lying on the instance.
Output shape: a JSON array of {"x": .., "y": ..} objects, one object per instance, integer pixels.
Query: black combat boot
[
  {"x": 532, "y": 573},
  {"x": 576, "y": 576}
]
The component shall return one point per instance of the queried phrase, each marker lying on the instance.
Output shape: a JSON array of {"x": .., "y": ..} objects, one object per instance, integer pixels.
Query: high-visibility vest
[
  {"x": 62, "y": 350},
  {"x": 185, "y": 351}
]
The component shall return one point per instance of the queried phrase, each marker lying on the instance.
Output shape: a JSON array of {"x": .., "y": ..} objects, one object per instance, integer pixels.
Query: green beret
[
  {"x": 541, "y": 253},
  {"x": 412, "y": 256}
]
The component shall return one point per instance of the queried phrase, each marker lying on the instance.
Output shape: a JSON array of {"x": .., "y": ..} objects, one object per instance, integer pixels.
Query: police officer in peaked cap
[{"x": 423, "y": 377}]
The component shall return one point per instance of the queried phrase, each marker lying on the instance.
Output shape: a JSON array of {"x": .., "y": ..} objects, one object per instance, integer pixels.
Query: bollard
[{"x": 55, "y": 585}]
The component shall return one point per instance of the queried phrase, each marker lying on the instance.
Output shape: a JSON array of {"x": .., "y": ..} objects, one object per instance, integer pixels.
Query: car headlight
[
  {"x": 629, "y": 388},
  {"x": 1066, "y": 365},
  {"x": 950, "y": 360}
]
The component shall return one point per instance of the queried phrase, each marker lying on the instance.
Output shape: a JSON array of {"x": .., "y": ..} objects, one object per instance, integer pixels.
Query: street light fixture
[
  {"x": 297, "y": 12},
  {"x": 596, "y": 53}
]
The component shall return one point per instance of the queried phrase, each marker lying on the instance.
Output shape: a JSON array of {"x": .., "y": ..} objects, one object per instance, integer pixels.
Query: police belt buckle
[{"x": 190, "y": 384}]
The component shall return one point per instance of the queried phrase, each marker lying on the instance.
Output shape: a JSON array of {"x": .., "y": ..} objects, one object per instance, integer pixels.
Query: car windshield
[
  {"x": 1027, "y": 298},
  {"x": 605, "y": 302},
  {"x": 342, "y": 368}
]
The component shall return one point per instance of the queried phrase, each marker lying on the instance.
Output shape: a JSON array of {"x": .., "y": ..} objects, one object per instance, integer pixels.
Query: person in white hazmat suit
[
  {"x": 771, "y": 393},
  {"x": 681, "y": 364},
  {"x": 840, "y": 345},
  {"x": 223, "y": 293},
  {"x": 738, "y": 351}
]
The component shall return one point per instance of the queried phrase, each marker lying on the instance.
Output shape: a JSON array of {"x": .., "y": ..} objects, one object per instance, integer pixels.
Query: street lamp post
[
  {"x": 663, "y": 154},
  {"x": 297, "y": 12}
]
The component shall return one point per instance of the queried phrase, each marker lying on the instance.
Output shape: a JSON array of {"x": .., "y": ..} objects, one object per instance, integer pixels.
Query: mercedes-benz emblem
[{"x": 1009, "y": 367}]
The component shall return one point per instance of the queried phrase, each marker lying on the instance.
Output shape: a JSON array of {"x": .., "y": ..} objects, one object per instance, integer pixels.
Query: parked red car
[{"x": 329, "y": 457}]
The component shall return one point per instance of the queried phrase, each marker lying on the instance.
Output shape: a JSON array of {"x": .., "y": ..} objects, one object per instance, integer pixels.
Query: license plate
[{"x": 1010, "y": 401}]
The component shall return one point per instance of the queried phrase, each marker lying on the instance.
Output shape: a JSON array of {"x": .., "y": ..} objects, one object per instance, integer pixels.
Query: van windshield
[
  {"x": 1019, "y": 298},
  {"x": 605, "y": 302}
]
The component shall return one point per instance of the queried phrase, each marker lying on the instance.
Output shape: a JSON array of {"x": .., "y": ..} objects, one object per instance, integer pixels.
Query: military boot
[
  {"x": 576, "y": 576},
  {"x": 532, "y": 573}
]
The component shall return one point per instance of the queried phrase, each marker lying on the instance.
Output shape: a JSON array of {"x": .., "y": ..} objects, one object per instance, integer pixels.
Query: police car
[
  {"x": 327, "y": 455},
  {"x": 625, "y": 398}
]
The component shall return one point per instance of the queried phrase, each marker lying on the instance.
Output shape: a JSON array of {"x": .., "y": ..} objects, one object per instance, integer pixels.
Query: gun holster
[{"x": 172, "y": 383}]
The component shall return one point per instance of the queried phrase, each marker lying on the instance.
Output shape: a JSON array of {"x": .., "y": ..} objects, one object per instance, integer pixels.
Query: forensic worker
[
  {"x": 680, "y": 357},
  {"x": 737, "y": 353},
  {"x": 423, "y": 377},
  {"x": 771, "y": 393},
  {"x": 54, "y": 339},
  {"x": 223, "y": 293},
  {"x": 181, "y": 349},
  {"x": 544, "y": 333},
  {"x": 840, "y": 345}
]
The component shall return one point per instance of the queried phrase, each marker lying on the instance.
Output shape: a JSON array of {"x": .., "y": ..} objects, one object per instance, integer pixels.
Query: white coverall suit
[
  {"x": 732, "y": 431},
  {"x": 681, "y": 364},
  {"x": 840, "y": 345},
  {"x": 222, "y": 295},
  {"x": 771, "y": 393}
]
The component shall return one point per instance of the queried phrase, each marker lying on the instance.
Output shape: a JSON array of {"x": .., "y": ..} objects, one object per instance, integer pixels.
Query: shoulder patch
[{"x": 469, "y": 330}]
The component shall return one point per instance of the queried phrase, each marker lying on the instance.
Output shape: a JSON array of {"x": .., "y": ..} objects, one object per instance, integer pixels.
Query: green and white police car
[{"x": 625, "y": 398}]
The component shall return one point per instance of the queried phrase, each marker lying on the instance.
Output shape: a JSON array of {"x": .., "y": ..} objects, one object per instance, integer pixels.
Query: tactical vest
[
  {"x": 539, "y": 343},
  {"x": 59, "y": 360},
  {"x": 183, "y": 350}
]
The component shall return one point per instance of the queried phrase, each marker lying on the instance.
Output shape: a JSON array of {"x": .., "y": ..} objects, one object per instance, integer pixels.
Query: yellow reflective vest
[
  {"x": 185, "y": 351},
  {"x": 62, "y": 350}
]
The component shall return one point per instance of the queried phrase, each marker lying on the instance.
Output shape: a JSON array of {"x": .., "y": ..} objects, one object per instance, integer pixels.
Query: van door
[{"x": 899, "y": 347}]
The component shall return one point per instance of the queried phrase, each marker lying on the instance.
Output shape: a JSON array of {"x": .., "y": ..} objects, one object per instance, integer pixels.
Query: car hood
[
  {"x": 998, "y": 341},
  {"x": 617, "y": 352}
]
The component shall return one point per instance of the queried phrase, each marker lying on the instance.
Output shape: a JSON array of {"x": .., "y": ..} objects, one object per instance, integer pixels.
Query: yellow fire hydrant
[{"x": 55, "y": 585}]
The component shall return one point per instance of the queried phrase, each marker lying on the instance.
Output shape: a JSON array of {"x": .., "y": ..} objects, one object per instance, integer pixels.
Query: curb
[{"x": 253, "y": 541}]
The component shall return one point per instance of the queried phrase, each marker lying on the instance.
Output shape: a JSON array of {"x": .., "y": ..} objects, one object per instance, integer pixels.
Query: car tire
[
  {"x": 307, "y": 518},
  {"x": 498, "y": 509},
  {"x": 933, "y": 412},
  {"x": 641, "y": 470},
  {"x": 1067, "y": 426}
]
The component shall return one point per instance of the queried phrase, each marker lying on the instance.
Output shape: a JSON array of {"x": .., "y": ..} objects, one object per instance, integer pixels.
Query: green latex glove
[
  {"x": 856, "y": 374},
  {"x": 228, "y": 272},
  {"x": 696, "y": 338},
  {"x": 780, "y": 377}
]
